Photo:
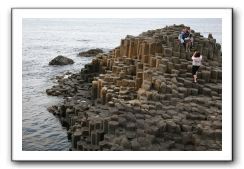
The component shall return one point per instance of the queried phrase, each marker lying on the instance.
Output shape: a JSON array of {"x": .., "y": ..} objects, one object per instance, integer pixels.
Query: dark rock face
[
  {"x": 140, "y": 97},
  {"x": 61, "y": 60},
  {"x": 91, "y": 52}
]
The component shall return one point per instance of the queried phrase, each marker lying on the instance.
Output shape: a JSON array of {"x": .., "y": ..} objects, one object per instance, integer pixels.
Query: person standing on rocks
[
  {"x": 191, "y": 40},
  {"x": 185, "y": 38},
  {"x": 196, "y": 63},
  {"x": 188, "y": 39},
  {"x": 182, "y": 36}
]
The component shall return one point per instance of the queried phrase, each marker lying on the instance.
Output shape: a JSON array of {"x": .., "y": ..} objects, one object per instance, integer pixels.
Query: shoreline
[{"x": 140, "y": 96}]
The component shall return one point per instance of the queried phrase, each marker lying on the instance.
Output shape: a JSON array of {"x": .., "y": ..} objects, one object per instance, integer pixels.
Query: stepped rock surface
[{"x": 140, "y": 96}]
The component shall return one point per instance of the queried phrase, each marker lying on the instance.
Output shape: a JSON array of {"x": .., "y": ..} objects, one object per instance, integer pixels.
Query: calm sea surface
[{"x": 44, "y": 39}]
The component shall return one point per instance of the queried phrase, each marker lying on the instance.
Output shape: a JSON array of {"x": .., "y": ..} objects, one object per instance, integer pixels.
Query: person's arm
[{"x": 193, "y": 55}]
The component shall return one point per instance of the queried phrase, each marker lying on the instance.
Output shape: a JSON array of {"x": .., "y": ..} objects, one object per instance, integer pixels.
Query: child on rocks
[{"x": 196, "y": 63}]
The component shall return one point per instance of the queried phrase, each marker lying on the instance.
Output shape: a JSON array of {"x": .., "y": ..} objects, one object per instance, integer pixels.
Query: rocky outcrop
[
  {"x": 61, "y": 60},
  {"x": 140, "y": 96},
  {"x": 91, "y": 52}
]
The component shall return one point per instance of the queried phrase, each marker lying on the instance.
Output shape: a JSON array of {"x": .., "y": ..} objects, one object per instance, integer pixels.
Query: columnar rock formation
[{"x": 140, "y": 96}]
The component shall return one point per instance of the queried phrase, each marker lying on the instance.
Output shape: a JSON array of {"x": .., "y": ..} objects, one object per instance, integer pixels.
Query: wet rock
[
  {"x": 91, "y": 52},
  {"x": 53, "y": 109},
  {"x": 61, "y": 60}
]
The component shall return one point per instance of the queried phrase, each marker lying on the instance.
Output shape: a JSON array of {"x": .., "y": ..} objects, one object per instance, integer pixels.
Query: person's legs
[
  {"x": 194, "y": 78},
  {"x": 188, "y": 45},
  {"x": 191, "y": 42},
  {"x": 184, "y": 44},
  {"x": 197, "y": 71},
  {"x": 194, "y": 73}
]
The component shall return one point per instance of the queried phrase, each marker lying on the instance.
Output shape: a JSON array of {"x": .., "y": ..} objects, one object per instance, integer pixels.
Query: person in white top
[{"x": 196, "y": 63}]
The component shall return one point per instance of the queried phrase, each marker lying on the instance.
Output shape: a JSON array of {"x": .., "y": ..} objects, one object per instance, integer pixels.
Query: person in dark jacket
[{"x": 185, "y": 38}]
